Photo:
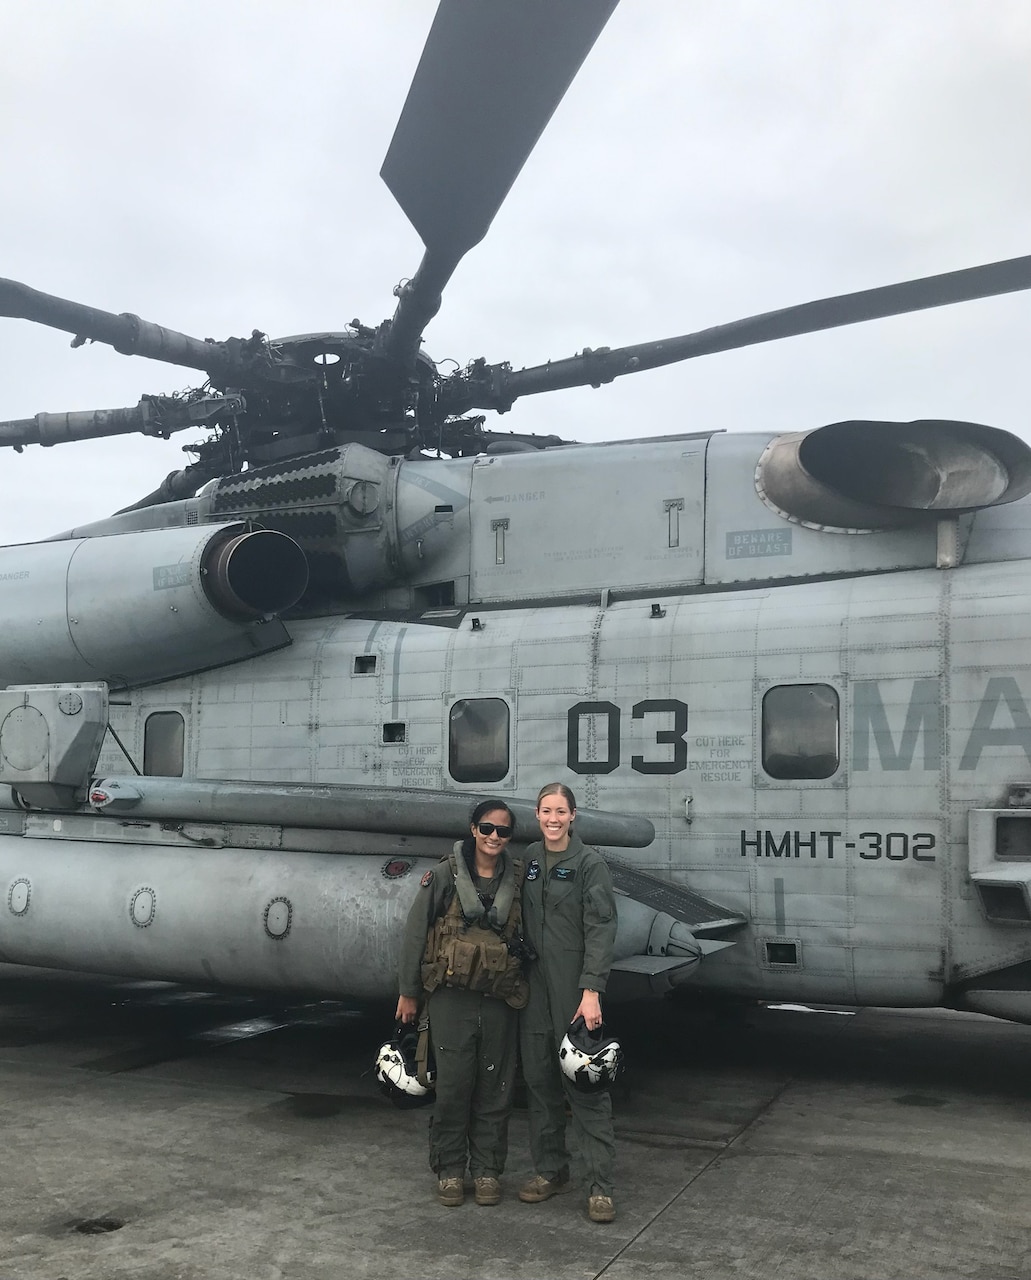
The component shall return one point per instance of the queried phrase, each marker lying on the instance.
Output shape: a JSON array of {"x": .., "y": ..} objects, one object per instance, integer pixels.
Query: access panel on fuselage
[{"x": 575, "y": 520}]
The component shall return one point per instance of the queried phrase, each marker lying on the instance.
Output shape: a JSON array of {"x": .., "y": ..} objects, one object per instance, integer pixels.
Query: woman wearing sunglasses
[{"x": 461, "y": 955}]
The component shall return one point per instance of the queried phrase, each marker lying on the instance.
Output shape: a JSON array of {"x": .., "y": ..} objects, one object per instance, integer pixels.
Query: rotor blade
[
  {"x": 489, "y": 80},
  {"x": 126, "y": 333},
  {"x": 490, "y": 77},
  {"x": 242, "y": 360},
  {"x": 592, "y": 368},
  {"x": 153, "y": 416},
  {"x": 53, "y": 428}
]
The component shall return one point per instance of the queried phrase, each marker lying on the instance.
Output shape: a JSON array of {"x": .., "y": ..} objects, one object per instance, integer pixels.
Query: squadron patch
[
  {"x": 427, "y": 880},
  {"x": 533, "y": 870}
]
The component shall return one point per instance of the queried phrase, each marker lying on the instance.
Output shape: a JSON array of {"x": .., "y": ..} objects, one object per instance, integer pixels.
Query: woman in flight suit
[
  {"x": 457, "y": 955},
  {"x": 569, "y": 916}
]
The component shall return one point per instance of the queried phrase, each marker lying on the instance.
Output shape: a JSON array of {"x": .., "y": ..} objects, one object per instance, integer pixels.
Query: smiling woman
[
  {"x": 461, "y": 959},
  {"x": 571, "y": 926}
]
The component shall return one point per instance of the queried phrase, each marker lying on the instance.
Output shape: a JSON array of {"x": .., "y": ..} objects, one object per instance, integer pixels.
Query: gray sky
[{"x": 212, "y": 165}]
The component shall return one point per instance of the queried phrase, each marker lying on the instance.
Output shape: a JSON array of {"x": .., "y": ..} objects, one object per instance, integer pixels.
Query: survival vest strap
[
  {"x": 468, "y": 946},
  {"x": 497, "y": 915},
  {"x": 423, "y": 1071}
]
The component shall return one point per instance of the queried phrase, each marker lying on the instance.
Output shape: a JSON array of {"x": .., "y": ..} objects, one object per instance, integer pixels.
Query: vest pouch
[
  {"x": 462, "y": 964},
  {"x": 432, "y": 975},
  {"x": 513, "y": 988},
  {"x": 494, "y": 956}
]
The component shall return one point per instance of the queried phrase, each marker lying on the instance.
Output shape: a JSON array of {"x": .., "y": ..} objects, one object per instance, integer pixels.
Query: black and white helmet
[
  {"x": 398, "y": 1072},
  {"x": 590, "y": 1059}
]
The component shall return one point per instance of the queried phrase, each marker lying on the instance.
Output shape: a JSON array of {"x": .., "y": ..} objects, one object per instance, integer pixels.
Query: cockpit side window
[
  {"x": 164, "y": 739},
  {"x": 801, "y": 731},
  {"x": 478, "y": 740}
]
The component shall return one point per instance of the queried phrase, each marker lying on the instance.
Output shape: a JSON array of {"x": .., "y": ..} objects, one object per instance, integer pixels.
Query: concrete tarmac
[{"x": 161, "y": 1134}]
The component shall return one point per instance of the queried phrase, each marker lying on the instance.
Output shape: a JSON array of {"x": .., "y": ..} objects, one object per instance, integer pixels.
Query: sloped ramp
[{"x": 701, "y": 915}]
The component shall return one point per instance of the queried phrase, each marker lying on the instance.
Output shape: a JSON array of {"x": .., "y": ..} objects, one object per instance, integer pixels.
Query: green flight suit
[
  {"x": 474, "y": 1037},
  {"x": 569, "y": 918}
]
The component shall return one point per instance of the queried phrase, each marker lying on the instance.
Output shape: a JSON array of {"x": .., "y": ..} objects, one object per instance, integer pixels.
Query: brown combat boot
[
  {"x": 487, "y": 1190},
  {"x": 450, "y": 1192},
  {"x": 600, "y": 1208},
  {"x": 540, "y": 1188}
]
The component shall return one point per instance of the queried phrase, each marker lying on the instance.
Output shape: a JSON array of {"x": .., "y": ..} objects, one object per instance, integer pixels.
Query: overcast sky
[{"x": 212, "y": 165}]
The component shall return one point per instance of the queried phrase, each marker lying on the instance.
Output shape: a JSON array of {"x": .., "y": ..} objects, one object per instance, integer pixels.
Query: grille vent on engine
[
  {"x": 301, "y": 498},
  {"x": 240, "y": 490},
  {"x": 276, "y": 493}
]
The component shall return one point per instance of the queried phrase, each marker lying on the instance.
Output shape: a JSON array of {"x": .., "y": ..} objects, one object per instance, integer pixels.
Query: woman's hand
[
  {"x": 407, "y": 1006},
  {"x": 589, "y": 1009}
]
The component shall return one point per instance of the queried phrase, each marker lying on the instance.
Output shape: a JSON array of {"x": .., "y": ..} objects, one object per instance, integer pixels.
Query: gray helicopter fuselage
[{"x": 830, "y": 730}]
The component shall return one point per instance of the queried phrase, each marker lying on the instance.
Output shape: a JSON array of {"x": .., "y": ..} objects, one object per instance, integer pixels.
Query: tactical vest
[{"x": 467, "y": 946}]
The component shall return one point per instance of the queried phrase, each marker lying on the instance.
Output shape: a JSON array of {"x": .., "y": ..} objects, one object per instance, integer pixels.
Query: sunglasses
[{"x": 488, "y": 829}]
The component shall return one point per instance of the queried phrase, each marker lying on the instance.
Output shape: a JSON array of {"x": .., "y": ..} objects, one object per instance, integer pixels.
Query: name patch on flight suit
[
  {"x": 564, "y": 873},
  {"x": 533, "y": 870}
]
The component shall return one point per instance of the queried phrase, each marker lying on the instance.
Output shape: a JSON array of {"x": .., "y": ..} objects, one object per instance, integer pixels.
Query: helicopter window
[
  {"x": 782, "y": 953},
  {"x": 164, "y": 738},
  {"x": 365, "y": 664},
  {"x": 478, "y": 740},
  {"x": 394, "y": 732},
  {"x": 800, "y": 731}
]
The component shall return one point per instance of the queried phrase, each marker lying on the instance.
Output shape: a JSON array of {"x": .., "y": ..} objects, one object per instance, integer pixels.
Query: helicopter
[{"x": 784, "y": 670}]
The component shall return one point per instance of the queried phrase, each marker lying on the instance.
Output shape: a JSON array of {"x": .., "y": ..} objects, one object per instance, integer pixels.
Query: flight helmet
[
  {"x": 590, "y": 1059},
  {"x": 398, "y": 1072}
]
